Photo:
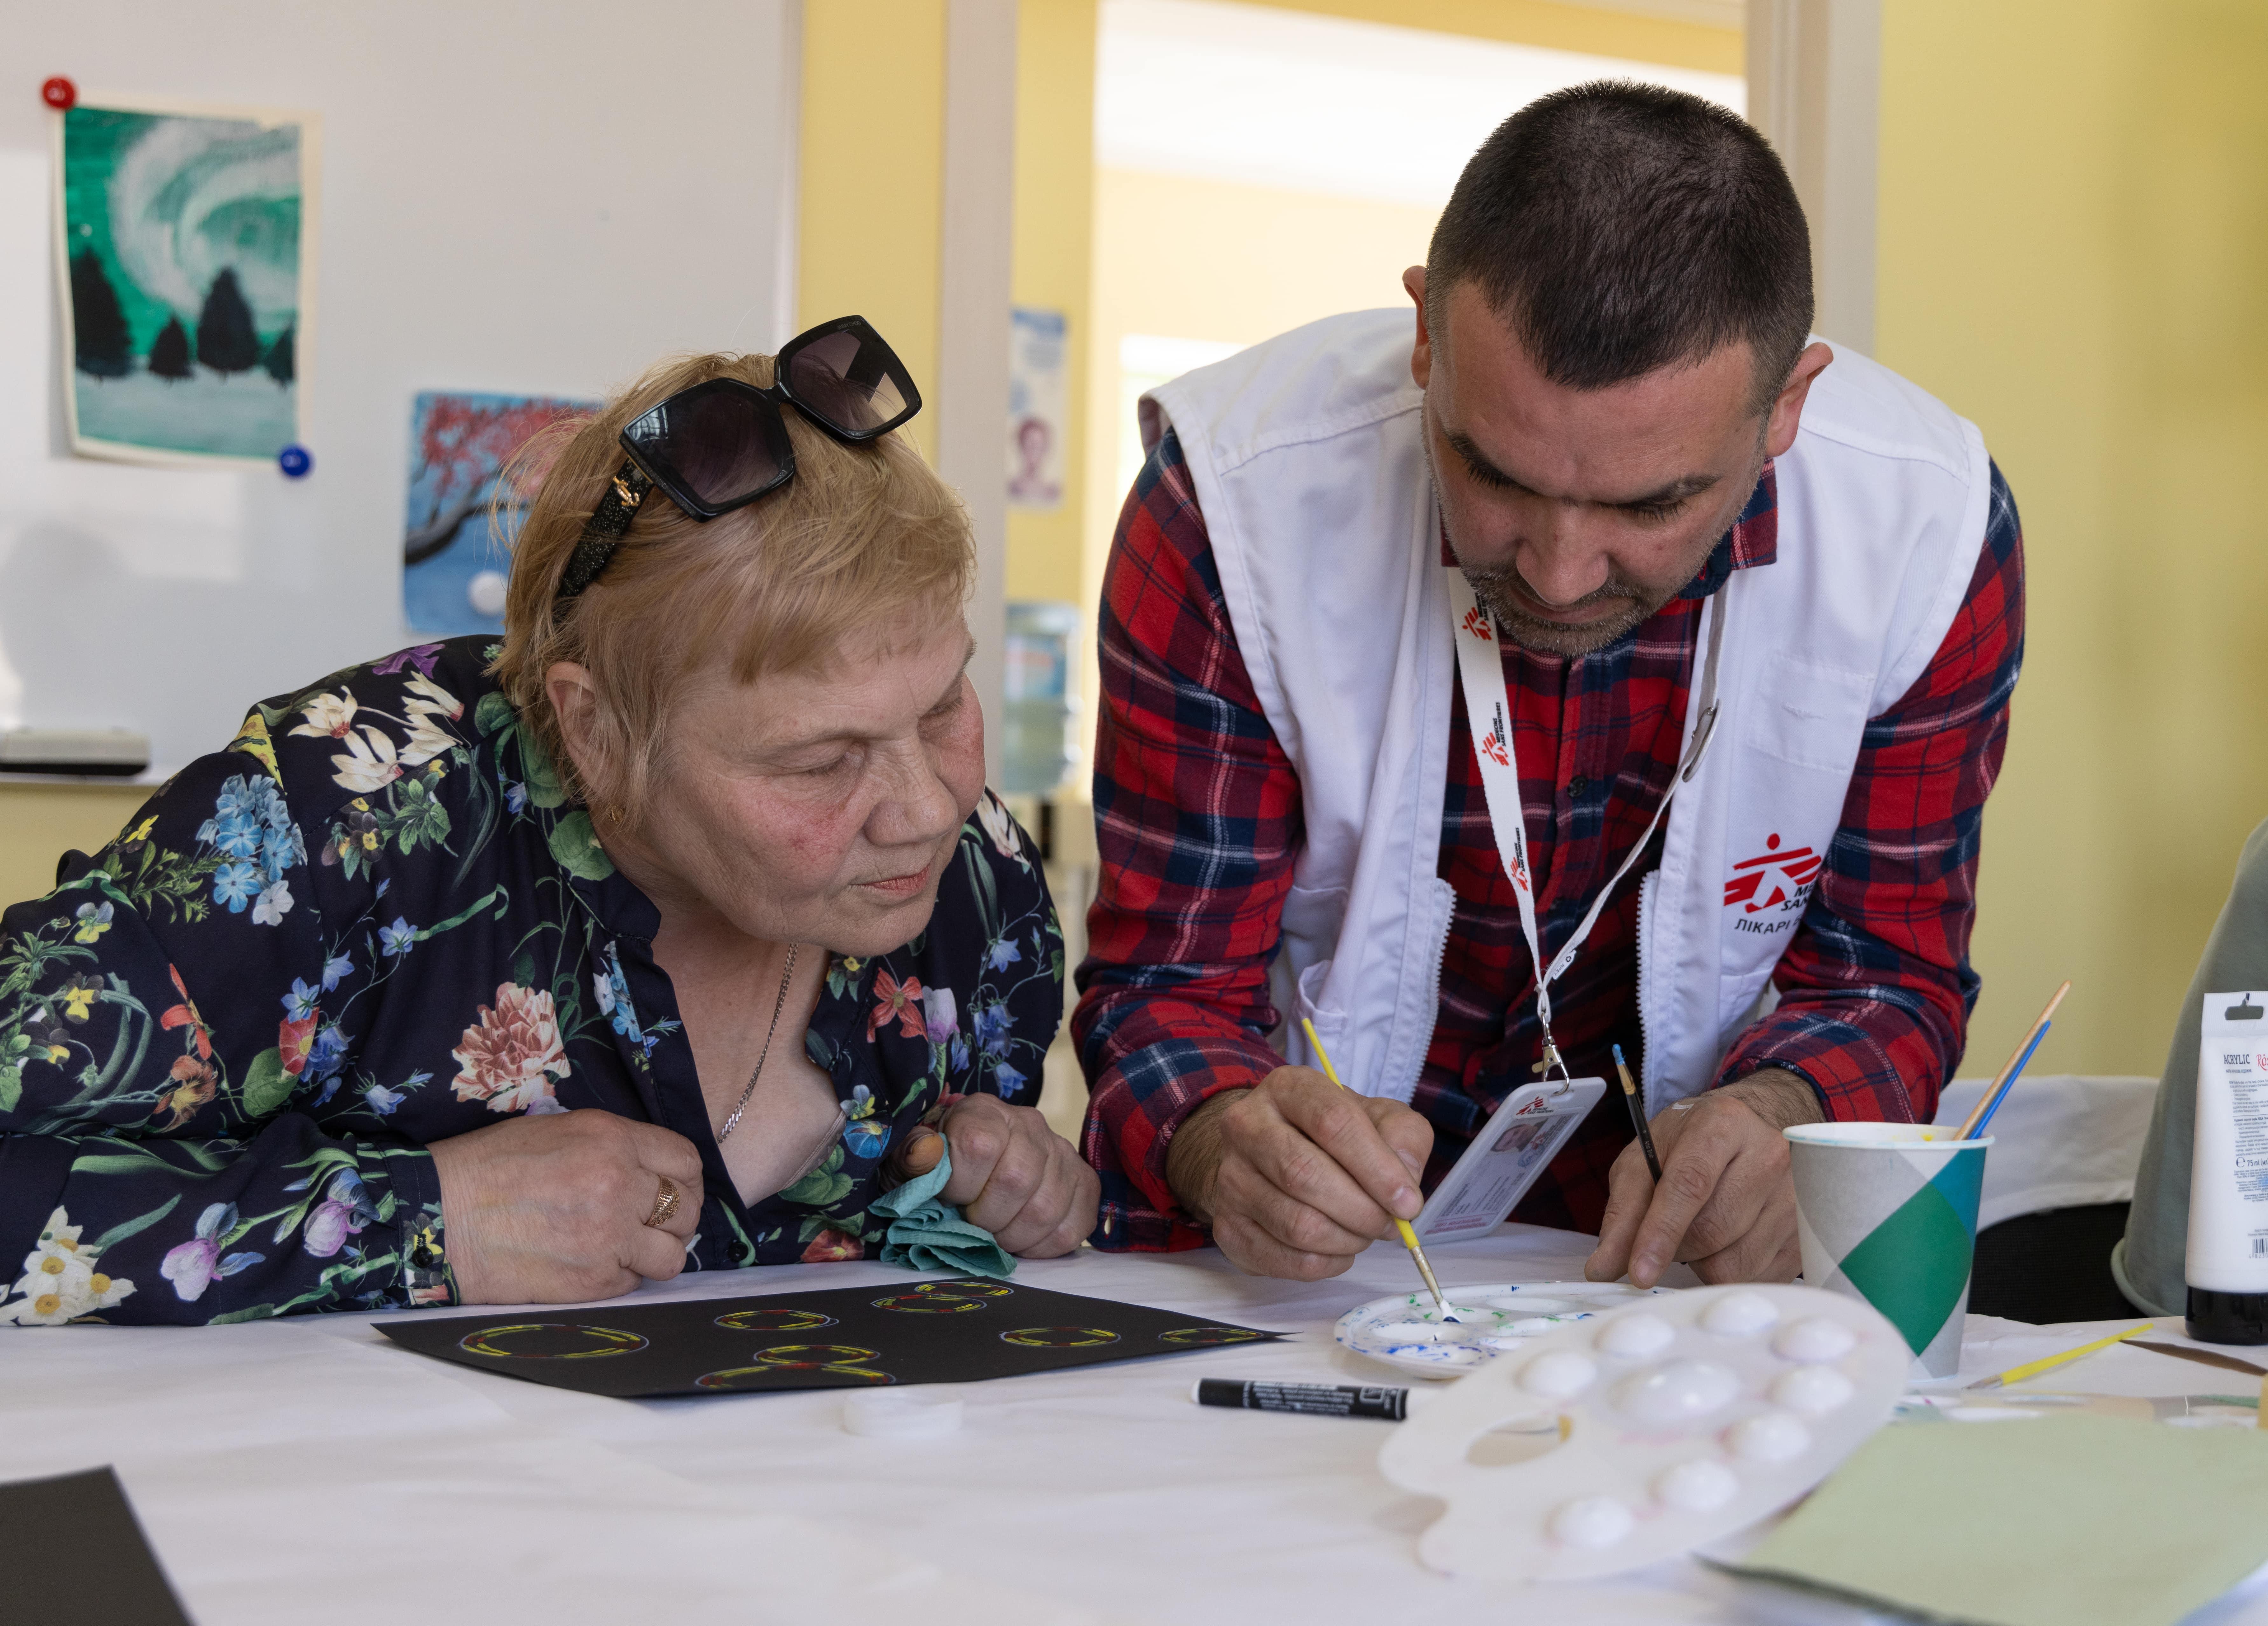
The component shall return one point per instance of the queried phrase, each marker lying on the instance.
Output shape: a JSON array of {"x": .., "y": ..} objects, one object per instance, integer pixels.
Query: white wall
[{"x": 526, "y": 197}]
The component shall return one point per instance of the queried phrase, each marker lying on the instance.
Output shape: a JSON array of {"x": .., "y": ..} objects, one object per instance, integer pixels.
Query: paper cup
[{"x": 1887, "y": 1213}]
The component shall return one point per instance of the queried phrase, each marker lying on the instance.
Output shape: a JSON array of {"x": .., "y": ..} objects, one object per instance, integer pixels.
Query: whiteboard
[{"x": 532, "y": 200}]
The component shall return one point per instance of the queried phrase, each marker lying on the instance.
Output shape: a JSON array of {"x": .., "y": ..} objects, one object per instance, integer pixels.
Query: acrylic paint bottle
[{"x": 2226, "y": 1265}]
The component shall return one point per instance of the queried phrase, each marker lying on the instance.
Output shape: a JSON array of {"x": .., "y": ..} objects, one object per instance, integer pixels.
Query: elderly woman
[{"x": 649, "y": 939}]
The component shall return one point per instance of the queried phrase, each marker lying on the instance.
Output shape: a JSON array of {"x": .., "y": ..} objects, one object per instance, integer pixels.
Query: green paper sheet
[{"x": 2060, "y": 1521}]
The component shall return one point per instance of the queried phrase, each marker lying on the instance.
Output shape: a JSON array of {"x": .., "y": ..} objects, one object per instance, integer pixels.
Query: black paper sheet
[
  {"x": 953, "y": 1331},
  {"x": 82, "y": 1557}
]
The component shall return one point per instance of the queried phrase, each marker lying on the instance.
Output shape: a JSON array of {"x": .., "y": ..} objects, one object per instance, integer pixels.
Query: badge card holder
[{"x": 1521, "y": 1137}]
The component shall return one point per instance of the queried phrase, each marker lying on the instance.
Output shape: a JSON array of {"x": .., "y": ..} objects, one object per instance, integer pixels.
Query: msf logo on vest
[{"x": 1773, "y": 883}]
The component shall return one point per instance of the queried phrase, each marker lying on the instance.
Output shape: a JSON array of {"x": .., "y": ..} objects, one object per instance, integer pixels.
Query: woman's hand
[
  {"x": 1012, "y": 1175},
  {"x": 552, "y": 1210}
]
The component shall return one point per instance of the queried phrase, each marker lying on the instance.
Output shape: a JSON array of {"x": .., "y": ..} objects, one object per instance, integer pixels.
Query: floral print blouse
[{"x": 373, "y": 922}]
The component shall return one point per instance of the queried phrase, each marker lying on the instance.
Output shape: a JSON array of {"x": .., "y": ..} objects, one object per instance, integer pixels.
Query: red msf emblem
[
  {"x": 1478, "y": 625},
  {"x": 1787, "y": 872},
  {"x": 1492, "y": 748}
]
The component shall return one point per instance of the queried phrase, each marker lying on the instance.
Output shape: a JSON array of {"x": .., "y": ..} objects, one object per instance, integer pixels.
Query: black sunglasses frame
[{"x": 645, "y": 469}]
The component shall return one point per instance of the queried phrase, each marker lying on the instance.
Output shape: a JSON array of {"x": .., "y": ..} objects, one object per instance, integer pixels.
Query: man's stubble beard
[{"x": 1494, "y": 589}]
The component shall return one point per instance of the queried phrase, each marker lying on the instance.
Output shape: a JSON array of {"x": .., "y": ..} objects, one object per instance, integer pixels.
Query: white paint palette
[
  {"x": 1406, "y": 1331},
  {"x": 1684, "y": 1418}
]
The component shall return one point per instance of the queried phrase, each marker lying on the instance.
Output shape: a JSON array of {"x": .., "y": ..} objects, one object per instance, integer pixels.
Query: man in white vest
[{"x": 1589, "y": 615}]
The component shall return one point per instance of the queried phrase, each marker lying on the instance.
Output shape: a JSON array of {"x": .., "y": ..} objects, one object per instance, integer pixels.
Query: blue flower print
[
  {"x": 1012, "y": 1082},
  {"x": 992, "y": 1028},
  {"x": 252, "y": 823},
  {"x": 394, "y": 941},
  {"x": 380, "y": 1100},
  {"x": 235, "y": 835},
  {"x": 515, "y": 798},
  {"x": 334, "y": 969},
  {"x": 328, "y": 1050},
  {"x": 864, "y": 1136},
  {"x": 959, "y": 1053},
  {"x": 611, "y": 990},
  {"x": 300, "y": 1003},
  {"x": 234, "y": 884},
  {"x": 1001, "y": 955}
]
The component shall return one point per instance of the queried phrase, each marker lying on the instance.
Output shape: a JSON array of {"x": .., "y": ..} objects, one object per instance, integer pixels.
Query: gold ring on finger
[{"x": 665, "y": 1201}]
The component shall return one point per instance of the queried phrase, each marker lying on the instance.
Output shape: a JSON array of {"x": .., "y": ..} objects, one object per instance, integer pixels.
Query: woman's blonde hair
[{"x": 861, "y": 537}]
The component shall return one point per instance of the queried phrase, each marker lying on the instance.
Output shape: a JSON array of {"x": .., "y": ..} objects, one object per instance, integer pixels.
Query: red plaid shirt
[{"x": 1197, "y": 811}]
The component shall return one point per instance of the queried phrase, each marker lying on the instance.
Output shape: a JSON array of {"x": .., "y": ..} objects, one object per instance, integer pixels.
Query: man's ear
[
  {"x": 1787, "y": 407},
  {"x": 1421, "y": 357}
]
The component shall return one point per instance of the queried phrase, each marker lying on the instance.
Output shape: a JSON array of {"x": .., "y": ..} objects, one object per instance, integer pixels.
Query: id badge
[{"x": 1522, "y": 1136}]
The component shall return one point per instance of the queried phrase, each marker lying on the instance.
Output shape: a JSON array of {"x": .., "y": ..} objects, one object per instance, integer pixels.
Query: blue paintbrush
[{"x": 1993, "y": 1105}]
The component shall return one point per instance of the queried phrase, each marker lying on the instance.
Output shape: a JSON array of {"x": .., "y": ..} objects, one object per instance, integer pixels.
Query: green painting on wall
[{"x": 184, "y": 250}]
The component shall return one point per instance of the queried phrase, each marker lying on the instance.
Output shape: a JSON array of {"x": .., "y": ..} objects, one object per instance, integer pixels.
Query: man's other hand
[
  {"x": 1295, "y": 1175},
  {"x": 1727, "y": 1204}
]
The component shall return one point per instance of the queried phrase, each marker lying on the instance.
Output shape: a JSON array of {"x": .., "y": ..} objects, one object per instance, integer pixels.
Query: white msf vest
[{"x": 1306, "y": 457}]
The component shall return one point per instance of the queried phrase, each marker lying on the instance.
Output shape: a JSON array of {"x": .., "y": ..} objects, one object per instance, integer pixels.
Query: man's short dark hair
[{"x": 1622, "y": 227}]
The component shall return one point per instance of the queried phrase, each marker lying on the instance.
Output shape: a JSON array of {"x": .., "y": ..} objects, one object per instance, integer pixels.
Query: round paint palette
[
  {"x": 1680, "y": 1420},
  {"x": 1406, "y": 1331}
]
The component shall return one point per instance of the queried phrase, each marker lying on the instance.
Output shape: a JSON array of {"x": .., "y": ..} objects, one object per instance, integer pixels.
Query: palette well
[
  {"x": 953, "y": 1331},
  {"x": 1407, "y": 1330}
]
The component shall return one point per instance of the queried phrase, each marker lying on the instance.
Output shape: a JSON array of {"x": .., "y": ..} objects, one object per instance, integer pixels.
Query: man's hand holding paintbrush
[{"x": 1296, "y": 1176}]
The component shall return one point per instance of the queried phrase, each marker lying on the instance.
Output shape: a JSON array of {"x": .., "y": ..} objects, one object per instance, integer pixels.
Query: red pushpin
[{"x": 60, "y": 93}]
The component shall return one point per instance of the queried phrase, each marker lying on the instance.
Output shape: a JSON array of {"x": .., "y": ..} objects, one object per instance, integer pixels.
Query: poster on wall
[
  {"x": 185, "y": 255},
  {"x": 456, "y": 540},
  {"x": 1036, "y": 393}
]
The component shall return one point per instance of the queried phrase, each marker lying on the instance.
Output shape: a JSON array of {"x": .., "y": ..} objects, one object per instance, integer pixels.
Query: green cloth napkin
[
  {"x": 927, "y": 1234},
  {"x": 2053, "y": 1521}
]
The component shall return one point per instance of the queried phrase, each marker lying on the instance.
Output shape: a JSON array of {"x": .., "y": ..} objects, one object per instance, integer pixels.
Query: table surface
[{"x": 308, "y": 1468}]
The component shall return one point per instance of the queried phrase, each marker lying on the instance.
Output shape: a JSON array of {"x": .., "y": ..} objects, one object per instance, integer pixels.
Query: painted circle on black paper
[
  {"x": 1059, "y": 1337},
  {"x": 768, "y": 1373},
  {"x": 820, "y": 1354},
  {"x": 927, "y": 1303},
  {"x": 1193, "y": 1336},
  {"x": 943, "y": 1297},
  {"x": 774, "y": 1321},
  {"x": 550, "y": 1340},
  {"x": 837, "y": 1360}
]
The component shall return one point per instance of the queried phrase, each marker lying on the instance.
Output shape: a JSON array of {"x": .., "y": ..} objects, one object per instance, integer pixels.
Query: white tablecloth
[{"x": 307, "y": 1469}]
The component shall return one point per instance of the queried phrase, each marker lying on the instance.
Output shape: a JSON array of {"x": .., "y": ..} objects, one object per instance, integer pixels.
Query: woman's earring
[{"x": 614, "y": 815}]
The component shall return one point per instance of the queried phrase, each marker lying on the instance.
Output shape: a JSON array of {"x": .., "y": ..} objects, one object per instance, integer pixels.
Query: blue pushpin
[{"x": 295, "y": 460}]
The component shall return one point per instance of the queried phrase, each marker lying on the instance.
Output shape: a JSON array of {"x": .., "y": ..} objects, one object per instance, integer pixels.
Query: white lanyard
[{"x": 1488, "y": 713}]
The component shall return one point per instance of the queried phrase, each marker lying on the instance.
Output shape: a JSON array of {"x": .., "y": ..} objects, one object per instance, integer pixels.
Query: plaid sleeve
[
  {"x": 1876, "y": 989},
  {"x": 1197, "y": 815}
]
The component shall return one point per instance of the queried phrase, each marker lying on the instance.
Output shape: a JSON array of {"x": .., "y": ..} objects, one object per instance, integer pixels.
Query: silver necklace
[{"x": 778, "y": 1005}]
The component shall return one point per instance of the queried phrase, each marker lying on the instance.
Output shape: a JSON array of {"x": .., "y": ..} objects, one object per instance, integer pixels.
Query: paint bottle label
[{"x": 2226, "y": 1264}]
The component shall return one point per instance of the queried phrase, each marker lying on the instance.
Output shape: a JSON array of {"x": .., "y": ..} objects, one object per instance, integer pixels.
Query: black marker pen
[{"x": 1321, "y": 1400}]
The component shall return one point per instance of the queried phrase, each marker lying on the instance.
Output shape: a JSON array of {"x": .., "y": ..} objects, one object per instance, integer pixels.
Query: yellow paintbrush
[
  {"x": 1409, "y": 1236},
  {"x": 2033, "y": 1368}
]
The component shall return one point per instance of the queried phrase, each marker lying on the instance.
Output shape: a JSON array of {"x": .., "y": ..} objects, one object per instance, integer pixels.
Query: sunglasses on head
[{"x": 722, "y": 445}]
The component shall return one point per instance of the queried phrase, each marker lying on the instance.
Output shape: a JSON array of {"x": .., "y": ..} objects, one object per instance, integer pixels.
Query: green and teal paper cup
[{"x": 1887, "y": 1213}]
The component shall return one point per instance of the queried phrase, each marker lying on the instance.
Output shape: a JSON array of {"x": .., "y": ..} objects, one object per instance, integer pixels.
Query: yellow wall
[
  {"x": 2073, "y": 243},
  {"x": 870, "y": 224},
  {"x": 39, "y": 823},
  {"x": 1053, "y": 265}
]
